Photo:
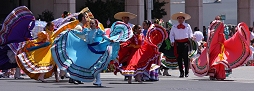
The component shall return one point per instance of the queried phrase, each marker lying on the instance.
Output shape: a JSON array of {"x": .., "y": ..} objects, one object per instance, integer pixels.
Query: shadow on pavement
[
  {"x": 84, "y": 87},
  {"x": 14, "y": 79},
  {"x": 35, "y": 81},
  {"x": 128, "y": 83},
  {"x": 211, "y": 80},
  {"x": 111, "y": 79}
]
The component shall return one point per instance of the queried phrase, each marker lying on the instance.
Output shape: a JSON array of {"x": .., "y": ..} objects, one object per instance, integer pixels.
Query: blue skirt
[{"x": 83, "y": 61}]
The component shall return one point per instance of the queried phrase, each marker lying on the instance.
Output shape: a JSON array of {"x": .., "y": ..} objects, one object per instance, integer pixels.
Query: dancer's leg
[
  {"x": 98, "y": 80},
  {"x": 17, "y": 74}
]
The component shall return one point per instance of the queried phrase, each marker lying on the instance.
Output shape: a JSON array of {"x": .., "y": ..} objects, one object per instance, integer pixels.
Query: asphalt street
[{"x": 242, "y": 79}]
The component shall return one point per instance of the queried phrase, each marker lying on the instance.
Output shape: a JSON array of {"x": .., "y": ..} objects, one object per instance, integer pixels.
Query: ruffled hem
[
  {"x": 135, "y": 71},
  {"x": 35, "y": 76},
  {"x": 17, "y": 21},
  {"x": 37, "y": 61},
  {"x": 169, "y": 63}
]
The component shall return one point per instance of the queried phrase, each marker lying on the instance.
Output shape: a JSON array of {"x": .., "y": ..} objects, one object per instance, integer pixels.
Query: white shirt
[
  {"x": 251, "y": 35},
  {"x": 177, "y": 34},
  {"x": 198, "y": 36},
  {"x": 79, "y": 27},
  {"x": 252, "y": 51}
]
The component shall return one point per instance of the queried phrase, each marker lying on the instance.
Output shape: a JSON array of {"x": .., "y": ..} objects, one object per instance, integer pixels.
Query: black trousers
[{"x": 182, "y": 51}]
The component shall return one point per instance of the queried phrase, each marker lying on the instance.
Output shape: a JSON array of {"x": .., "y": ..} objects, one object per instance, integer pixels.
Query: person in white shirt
[
  {"x": 251, "y": 46},
  {"x": 179, "y": 37},
  {"x": 198, "y": 35},
  {"x": 83, "y": 19},
  {"x": 251, "y": 34},
  {"x": 125, "y": 17}
]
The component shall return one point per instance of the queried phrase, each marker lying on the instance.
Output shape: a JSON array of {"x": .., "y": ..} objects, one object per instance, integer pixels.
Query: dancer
[
  {"x": 83, "y": 19},
  {"x": 15, "y": 29},
  {"x": 125, "y": 17},
  {"x": 179, "y": 36},
  {"x": 215, "y": 58},
  {"x": 142, "y": 53},
  {"x": 146, "y": 24},
  {"x": 153, "y": 73},
  {"x": 34, "y": 56},
  {"x": 97, "y": 47},
  {"x": 168, "y": 59}
]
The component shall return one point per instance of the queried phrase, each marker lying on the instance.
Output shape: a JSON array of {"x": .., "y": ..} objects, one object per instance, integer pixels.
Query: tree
[
  {"x": 158, "y": 12},
  {"x": 46, "y": 15},
  {"x": 105, "y": 10}
]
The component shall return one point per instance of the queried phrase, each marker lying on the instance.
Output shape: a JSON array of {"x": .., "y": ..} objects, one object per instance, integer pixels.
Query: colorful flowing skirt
[
  {"x": 138, "y": 60},
  {"x": 220, "y": 54},
  {"x": 16, "y": 27},
  {"x": 84, "y": 61},
  {"x": 34, "y": 59},
  {"x": 169, "y": 59}
]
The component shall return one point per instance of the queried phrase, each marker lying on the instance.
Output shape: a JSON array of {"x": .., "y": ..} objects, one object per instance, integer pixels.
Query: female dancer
[
  {"x": 34, "y": 56},
  {"x": 84, "y": 60},
  {"x": 146, "y": 24},
  {"x": 15, "y": 29},
  {"x": 142, "y": 54},
  {"x": 215, "y": 58}
]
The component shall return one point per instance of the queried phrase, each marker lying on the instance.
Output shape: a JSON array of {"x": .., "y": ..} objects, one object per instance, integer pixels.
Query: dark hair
[
  {"x": 96, "y": 21},
  {"x": 250, "y": 29},
  {"x": 65, "y": 13},
  {"x": 196, "y": 29},
  {"x": 135, "y": 27},
  {"x": 204, "y": 27},
  {"x": 72, "y": 19},
  {"x": 148, "y": 22},
  {"x": 80, "y": 17},
  {"x": 48, "y": 24}
]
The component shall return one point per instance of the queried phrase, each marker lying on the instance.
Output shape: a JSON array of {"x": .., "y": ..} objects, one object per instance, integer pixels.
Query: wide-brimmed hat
[
  {"x": 186, "y": 16},
  {"x": 119, "y": 15},
  {"x": 86, "y": 10}
]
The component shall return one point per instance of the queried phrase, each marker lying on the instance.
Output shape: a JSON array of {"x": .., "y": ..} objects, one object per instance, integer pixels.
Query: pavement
[{"x": 241, "y": 78}]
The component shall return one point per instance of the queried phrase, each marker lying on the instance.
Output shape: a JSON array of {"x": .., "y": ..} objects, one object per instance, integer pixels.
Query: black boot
[
  {"x": 181, "y": 74},
  {"x": 125, "y": 78},
  {"x": 79, "y": 82},
  {"x": 71, "y": 80},
  {"x": 186, "y": 74},
  {"x": 62, "y": 77}
]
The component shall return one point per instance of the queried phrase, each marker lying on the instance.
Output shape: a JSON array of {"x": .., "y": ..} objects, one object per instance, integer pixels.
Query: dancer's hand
[
  {"x": 193, "y": 38},
  {"x": 172, "y": 44}
]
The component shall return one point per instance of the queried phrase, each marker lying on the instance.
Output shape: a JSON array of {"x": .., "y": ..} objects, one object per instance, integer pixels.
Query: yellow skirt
[
  {"x": 40, "y": 60},
  {"x": 35, "y": 62}
]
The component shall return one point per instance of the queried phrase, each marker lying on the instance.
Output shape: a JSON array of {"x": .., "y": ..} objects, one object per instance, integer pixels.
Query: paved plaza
[{"x": 242, "y": 79}]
